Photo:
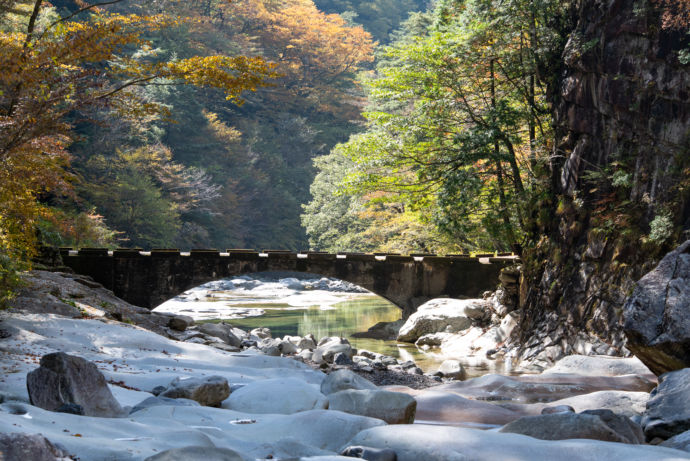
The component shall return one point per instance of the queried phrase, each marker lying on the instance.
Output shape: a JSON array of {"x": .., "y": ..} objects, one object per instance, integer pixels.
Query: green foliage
[
  {"x": 458, "y": 125},
  {"x": 661, "y": 228},
  {"x": 379, "y": 17},
  {"x": 10, "y": 279},
  {"x": 136, "y": 206},
  {"x": 233, "y": 176}
]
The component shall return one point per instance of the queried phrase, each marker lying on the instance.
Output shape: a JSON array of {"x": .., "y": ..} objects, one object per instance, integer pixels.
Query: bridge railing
[{"x": 251, "y": 254}]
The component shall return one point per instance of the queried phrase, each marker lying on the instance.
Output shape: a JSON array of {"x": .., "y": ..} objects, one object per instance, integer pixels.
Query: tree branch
[{"x": 79, "y": 11}]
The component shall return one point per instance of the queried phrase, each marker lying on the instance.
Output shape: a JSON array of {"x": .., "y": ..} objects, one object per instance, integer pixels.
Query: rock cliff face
[{"x": 619, "y": 177}]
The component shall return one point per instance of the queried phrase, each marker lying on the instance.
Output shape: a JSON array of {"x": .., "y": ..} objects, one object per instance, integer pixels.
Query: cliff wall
[{"x": 619, "y": 178}]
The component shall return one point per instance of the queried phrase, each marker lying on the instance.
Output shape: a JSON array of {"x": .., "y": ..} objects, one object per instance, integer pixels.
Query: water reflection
[{"x": 342, "y": 319}]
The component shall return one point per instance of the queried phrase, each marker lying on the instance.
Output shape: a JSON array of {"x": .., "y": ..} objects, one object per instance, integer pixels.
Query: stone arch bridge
[{"x": 148, "y": 278}]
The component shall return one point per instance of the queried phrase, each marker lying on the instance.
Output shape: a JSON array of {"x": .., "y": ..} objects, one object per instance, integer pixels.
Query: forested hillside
[
  {"x": 213, "y": 173},
  {"x": 383, "y": 125},
  {"x": 458, "y": 134}
]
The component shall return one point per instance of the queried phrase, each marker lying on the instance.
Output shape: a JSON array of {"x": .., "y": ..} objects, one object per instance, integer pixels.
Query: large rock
[
  {"x": 344, "y": 379},
  {"x": 180, "y": 322},
  {"x": 679, "y": 442},
  {"x": 29, "y": 447},
  {"x": 443, "y": 315},
  {"x": 276, "y": 396},
  {"x": 599, "y": 365},
  {"x": 391, "y": 407},
  {"x": 66, "y": 379},
  {"x": 656, "y": 319},
  {"x": 668, "y": 408},
  {"x": 417, "y": 442},
  {"x": 209, "y": 391},
  {"x": 157, "y": 401},
  {"x": 221, "y": 331},
  {"x": 597, "y": 424},
  {"x": 448, "y": 408},
  {"x": 197, "y": 454},
  {"x": 329, "y": 346},
  {"x": 541, "y": 388},
  {"x": 276, "y": 347},
  {"x": 625, "y": 403}
]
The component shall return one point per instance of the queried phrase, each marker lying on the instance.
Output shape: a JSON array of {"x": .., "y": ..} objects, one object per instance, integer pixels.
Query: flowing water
[{"x": 298, "y": 305}]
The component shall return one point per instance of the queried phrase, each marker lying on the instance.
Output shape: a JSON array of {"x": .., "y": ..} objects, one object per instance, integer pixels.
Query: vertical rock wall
[{"x": 621, "y": 160}]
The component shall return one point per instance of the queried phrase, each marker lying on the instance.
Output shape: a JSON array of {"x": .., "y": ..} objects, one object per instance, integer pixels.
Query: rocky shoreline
[{"x": 140, "y": 385}]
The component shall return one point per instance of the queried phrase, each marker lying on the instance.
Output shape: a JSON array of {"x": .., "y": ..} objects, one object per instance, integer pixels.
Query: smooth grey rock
[
  {"x": 221, "y": 331},
  {"x": 276, "y": 396},
  {"x": 655, "y": 316},
  {"x": 209, "y": 391},
  {"x": 557, "y": 409},
  {"x": 541, "y": 388},
  {"x": 261, "y": 333},
  {"x": 156, "y": 401},
  {"x": 287, "y": 347},
  {"x": 344, "y": 379},
  {"x": 624, "y": 403},
  {"x": 668, "y": 408},
  {"x": 67, "y": 379},
  {"x": 306, "y": 354},
  {"x": 307, "y": 343},
  {"x": 327, "y": 348},
  {"x": 270, "y": 346},
  {"x": 442, "y": 315},
  {"x": 452, "y": 369},
  {"x": 277, "y": 347},
  {"x": 679, "y": 442},
  {"x": 598, "y": 425},
  {"x": 197, "y": 454},
  {"x": 370, "y": 454},
  {"x": 29, "y": 447},
  {"x": 368, "y": 354},
  {"x": 391, "y": 407},
  {"x": 180, "y": 322},
  {"x": 599, "y": 365},
  {"x": 342, "y": 358},
  {"x": 623, "y": 425},
  {"x": 158, "y": 389},
  {"x": 417, "y": 442}
]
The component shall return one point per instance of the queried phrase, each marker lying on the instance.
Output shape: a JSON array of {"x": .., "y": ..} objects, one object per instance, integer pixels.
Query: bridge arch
[{"x": 149, "y": 278}]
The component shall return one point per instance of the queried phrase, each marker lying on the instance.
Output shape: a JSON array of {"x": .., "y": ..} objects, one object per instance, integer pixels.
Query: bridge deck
[{"x": 148, "y": 278}]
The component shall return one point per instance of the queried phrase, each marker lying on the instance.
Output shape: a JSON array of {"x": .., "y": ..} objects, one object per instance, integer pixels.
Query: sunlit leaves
[{"x": 52, "y": 67}]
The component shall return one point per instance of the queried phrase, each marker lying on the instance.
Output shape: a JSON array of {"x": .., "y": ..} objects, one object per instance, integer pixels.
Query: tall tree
[
  {"x": 459, "y": 120},
  {"x": 53, "y": 66}
]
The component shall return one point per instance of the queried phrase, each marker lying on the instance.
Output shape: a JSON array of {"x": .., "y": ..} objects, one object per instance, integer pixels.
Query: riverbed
[{"x": 295, "y": 304}]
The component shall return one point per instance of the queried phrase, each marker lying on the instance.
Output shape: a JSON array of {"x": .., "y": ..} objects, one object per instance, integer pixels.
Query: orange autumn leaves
[
  {"x": 52, "y": 67},
  {"x": 312, "y": 50}
]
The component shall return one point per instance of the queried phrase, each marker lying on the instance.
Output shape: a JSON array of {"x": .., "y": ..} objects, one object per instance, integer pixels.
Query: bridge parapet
[{"x": 148, "y": 278}]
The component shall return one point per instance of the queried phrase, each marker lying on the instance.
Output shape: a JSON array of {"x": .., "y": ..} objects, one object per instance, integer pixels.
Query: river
[{"x": 298, "y": 304}]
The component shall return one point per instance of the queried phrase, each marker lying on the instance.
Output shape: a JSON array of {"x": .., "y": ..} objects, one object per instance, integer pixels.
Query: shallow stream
[{"x": 299, "y": 305}]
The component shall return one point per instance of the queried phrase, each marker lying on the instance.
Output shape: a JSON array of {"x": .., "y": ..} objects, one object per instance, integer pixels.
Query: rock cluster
[
  {"x": 474, "y": 330},
  {"x": 282, "y": 409}
]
